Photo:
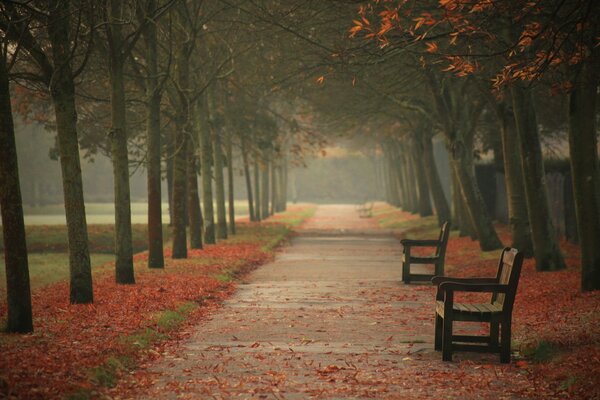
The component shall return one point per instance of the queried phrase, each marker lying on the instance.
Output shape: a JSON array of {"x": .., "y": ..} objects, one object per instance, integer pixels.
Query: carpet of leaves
[
  {"x": 71, "y": 340},
  {"x": 550, "y": 310}
]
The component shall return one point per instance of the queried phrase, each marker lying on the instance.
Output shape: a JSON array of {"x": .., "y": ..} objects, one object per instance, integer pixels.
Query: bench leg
[
  {"x": 439, "y": 325},
  {"x": 406, "y": 272},
  {"x": 447, "y": 340},
  {"x": 505, "y": 328},
  {"x": 494, "y": 332}
]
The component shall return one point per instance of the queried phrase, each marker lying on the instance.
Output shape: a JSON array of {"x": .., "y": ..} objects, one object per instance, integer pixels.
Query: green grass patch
[
  {"x": 49, "y": 268},
  {"x": 539, "y": 351}
]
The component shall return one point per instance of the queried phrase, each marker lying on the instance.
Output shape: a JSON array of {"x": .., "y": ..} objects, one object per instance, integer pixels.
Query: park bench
[
  {"x": 365, "y": 210},
  {"x": 498, "y": 312},
  {"x": 437, "y": 259}
]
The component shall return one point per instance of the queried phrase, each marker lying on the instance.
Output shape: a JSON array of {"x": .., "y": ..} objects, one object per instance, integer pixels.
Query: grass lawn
[
  {"x": 104, "y": 213},
  {"x": 48, "y": 268}
]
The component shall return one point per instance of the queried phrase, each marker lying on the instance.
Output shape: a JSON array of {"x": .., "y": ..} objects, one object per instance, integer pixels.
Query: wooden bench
[
  {"x": 437, "y": 259},
  {"x": 365, "y": 210},
  {"x": 498, "y": 312}
]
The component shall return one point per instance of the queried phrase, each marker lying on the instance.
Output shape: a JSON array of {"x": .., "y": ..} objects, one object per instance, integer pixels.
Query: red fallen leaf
[
  {"x": 521, "y": 364},
  {"x": 255, "y": 345}
]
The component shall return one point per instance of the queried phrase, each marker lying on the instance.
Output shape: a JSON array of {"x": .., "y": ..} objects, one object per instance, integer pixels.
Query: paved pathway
[{"x": 328, "y": 318}]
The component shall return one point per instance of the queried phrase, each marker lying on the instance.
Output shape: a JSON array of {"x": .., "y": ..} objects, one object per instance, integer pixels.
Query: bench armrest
[
  {"x": 473, "y": 287},
  {"x": 436, "y": 280},
  {"x": 413, "y": 242}
]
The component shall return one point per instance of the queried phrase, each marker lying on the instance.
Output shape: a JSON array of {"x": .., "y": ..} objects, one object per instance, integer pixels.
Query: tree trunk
[
  {"x": 248, "y": 181},
  {"x": 62, "y": 90},
  {"x": 284, "y": 183},
  {"x": 18, "y": 292},
  {"x": 153, "y": 94},
  {"x": 179, "y": 249},
  {"x": 545, "y": 244},
  {"x": 423, "y": 184},
  {"x": 170, "y": 151},
  {"x": 257, "y": 191},
  {"x": 230, "y": 193},
  {"x": 410, "y": 178},
  {"x": 437, "y": 192},
  {"x": 475, "y": 207},
  {"x": 274, "y": 188},
  {"x": 583, "y": 149},
  {"x": 194, "y": 213},
  {"x": 207, "y": 193},
  {"x": 265, "y": 190},
  {"x": 220, "y": 186},
  {"x": 123, "y": 248},
  {"x": 513, "y": 177}
]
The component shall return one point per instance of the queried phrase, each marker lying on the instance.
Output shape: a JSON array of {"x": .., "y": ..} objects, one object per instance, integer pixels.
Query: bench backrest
[
  {"x": 443, "y": 239},
  {"x": 509, "y": 271}
]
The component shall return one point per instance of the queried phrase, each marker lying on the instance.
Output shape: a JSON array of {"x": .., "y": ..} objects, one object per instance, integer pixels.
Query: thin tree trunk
[
  {"x": 284, "y": 184},
  {"x": 422, "y": 182},
  {"x": 18, "y": 292},
  {"x": 155, "y": 234},
  {"x": 179, "y": 249},
  {"x": 475, "y": 207},
  {"x": 230, "y": 193},
  {"x": 248, "y": 181},
  {"x": 194, "y": 212},
  {"x": 513, "y": 178},
  {"x": 274, "y": 189},
  {"x": 437, "y": 192},
  {"x": 257, "y": 191},
  {"x": 545, "y": 244},
  {"x": 583, "y": 148},
  {"x": 123, "y": 248},
  {"x": 170, "y": 150},
  {"x": 220, "y": 186},
  {"x": 410, "y": 178},
  {"x": 62, "y": 90},
  {"x": 207, "y": 193},
  {"x": 265, "y": 190}
]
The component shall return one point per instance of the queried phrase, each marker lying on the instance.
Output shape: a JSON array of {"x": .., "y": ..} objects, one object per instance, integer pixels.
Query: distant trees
[{"x": 513, "y": 44}]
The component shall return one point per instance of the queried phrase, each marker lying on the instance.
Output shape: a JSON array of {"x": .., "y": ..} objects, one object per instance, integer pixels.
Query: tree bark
[
  {"x": 194, "y": 213},
  {"x": 207, "y": 192},
  {"x": 545, "y": 244},
  {"x": 475, "y": 207},
  {"x": 583, "y": 149},
  {"x": 257, "y": 190},
  {"x": 220, "y": 186},
  {"x": 153, "y": 94},
  {"x": 274, "y": 188},
  {"x": 437, "y": 192},
  {"x": 170, "y": 151},
  {"x": 248, "y": 179},
  {"x": 410, "y": 179},
  {"x": 513, "y": 178},
  {"x": 123, "y": 248},
  {"x": 422, "y": 182},
  {"x": 18, "y": 292},
  {"x": 230, "y": 193},
  {"x": 179, "y": 249},
  {"x": 62, "y": 90},
  {"x": 265, "y": 189}
]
